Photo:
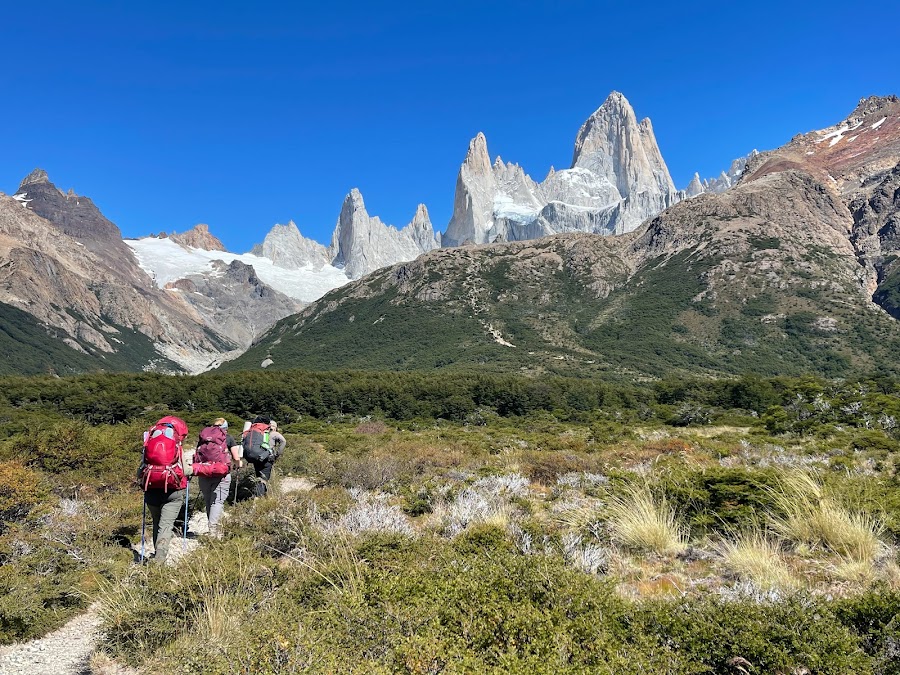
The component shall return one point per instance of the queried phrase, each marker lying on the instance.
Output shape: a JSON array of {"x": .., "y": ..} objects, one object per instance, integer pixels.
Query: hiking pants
[
  {"x": 263, "y": 472},
  {"x": 164, "y": 508},
  {"x": 215, "y": 494}
]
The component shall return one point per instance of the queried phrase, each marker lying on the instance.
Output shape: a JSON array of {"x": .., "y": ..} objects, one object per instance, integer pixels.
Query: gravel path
[
  {"x": 68, "y": 650},
  {"x": 65, "y": 651}
]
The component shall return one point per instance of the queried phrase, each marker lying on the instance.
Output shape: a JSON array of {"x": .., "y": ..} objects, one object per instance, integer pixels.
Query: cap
[{"x": 221, "y": 422}]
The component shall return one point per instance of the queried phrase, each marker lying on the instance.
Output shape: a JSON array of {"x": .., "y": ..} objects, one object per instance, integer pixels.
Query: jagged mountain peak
[
  {"x": 870, "y": 104},
  {"x": 363, "y": 243},
  {"x": 603, "y": 129},
  {"x": 421, "y": 216},
  {"x": 200, "y": 237},
  {"x": 287, "y": 248},
  {"x": 478, "y": 160},
  {"x": 38, "y": 176},
  {"x": 354, "y": 201}
]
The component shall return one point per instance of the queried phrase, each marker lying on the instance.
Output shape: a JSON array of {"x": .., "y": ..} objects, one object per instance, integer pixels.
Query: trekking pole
[
  {"x": 187, "y": 491},
  {"x": 236, "y": 479},
  {"x": 143, "y": 529}
]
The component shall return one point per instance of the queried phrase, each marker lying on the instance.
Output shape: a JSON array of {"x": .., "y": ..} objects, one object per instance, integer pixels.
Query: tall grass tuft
[
  {"x": 809, "y": 513},
  {"x": 642, "y": 521},
  {"x": 754, "y": 557}
]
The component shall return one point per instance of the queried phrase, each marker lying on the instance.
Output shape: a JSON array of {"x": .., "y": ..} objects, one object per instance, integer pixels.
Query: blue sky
[{"x": 242, "y": 115}]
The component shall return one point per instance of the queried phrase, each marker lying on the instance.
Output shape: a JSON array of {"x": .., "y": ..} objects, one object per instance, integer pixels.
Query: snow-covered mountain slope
[{"x": 166, "y": 261}]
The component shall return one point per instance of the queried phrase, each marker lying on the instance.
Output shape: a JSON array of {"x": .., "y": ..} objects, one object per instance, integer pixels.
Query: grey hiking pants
[
  {"x": 215, "y": 494},
  {"x": 164, "y": 508}
]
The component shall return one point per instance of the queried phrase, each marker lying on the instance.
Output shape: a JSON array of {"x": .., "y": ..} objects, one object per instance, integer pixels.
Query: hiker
[
  {"x": 216, "y": 458},
  {"x": 262, "y": 446},
  {"x": 164, "y": 476}
]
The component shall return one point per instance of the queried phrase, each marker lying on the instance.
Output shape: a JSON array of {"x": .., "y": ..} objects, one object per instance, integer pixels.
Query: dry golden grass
[
  {"x": 641, "y": 521},
  {"x": 810, "y": 515},
  {"x": 753, "y": 556}
]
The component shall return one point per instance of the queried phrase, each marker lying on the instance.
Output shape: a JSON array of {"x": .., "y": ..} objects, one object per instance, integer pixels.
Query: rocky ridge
[
  {"x": 66, "y": 265},
  {"x": 617, "y": 180},
  {"x": 780, "y": 273},
  {"x": 199, "y": 237}
]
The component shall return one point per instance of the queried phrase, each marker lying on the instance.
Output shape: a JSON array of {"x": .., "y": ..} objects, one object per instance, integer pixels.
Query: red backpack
[
  {"x": 162, "y": 455},
  {"x": 256, "y": 442},
  {"x": 212, "y": 457}
]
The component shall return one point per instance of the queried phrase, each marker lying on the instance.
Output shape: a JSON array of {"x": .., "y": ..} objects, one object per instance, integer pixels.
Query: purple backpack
[{"x": 213, "y": 446}]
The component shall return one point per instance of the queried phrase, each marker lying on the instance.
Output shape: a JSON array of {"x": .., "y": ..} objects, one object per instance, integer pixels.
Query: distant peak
[
  {"x": 477, "y": 158},
  {"x": 35, "y": 177},
  {"x": 199, "y": 237},
  {"x": 870, "y": 104},
  {"x": 615, "y": 101},
  {"x": 421, "y": 215},
  {"x": 355, "y": 199}
]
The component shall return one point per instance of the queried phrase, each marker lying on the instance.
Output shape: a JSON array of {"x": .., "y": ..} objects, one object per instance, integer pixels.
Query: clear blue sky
[{"x": 245, "y": 114}]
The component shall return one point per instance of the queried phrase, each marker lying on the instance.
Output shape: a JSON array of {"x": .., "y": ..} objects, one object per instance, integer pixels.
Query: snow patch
[
  {"x": 21, "y": 199},
  {"x": 836, "y": 136},
  {"x": 166, "y": 261},
  {"x": 878, "y": 123},
  {"x": 506, "y": 207}
]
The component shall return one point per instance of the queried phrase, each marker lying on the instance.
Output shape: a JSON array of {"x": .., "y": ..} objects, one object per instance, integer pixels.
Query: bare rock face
[
  {"x": 617, "y": 180},
  {"x": 234, "y": 301},
  {"x": 286, "y": 247},
  {"x": 71, "y": 274},
  {"x": 199, "y": 237},
  {"x": 362, "y": 244},
  {"x": 79, "y": 217},
  {"x": 792, "y": 269},
  {"x": 473, "y": 202}
]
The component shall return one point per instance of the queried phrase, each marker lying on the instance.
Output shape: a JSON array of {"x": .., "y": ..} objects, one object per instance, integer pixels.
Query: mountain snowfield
[{"x": 166, "y": 261}]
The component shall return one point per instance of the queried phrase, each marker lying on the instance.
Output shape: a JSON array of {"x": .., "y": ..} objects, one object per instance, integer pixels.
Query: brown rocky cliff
[{"x": 200, "y": 237}]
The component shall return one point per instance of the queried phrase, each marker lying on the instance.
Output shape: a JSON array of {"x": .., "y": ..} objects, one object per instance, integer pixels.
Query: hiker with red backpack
[
  {"x": 164, "y": 477},
  {"x": 262, "y": 446},
  {"x": 217, "y": 456}
]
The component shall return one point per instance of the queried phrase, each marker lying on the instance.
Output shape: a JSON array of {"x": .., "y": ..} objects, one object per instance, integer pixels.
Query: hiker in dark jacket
[
  {"x": 275, "y": 444},
  {"x": 215, "y": 489}
]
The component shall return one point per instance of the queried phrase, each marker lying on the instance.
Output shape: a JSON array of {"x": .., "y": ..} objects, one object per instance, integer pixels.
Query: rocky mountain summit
[
  {"x": 617, "y": 180},
  {"x": 199, "y": 237},
  {"x": 791, "y": 270},
  {"x": 362, "y": 244},
  {"x": 723, "y": 181}
]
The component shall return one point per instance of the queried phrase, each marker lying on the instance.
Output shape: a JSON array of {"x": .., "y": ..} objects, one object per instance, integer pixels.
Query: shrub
[{"x": 22, "y": 492}]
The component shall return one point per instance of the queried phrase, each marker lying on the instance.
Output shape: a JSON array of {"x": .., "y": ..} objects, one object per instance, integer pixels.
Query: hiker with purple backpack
[{"x": 217, "y": 456}]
